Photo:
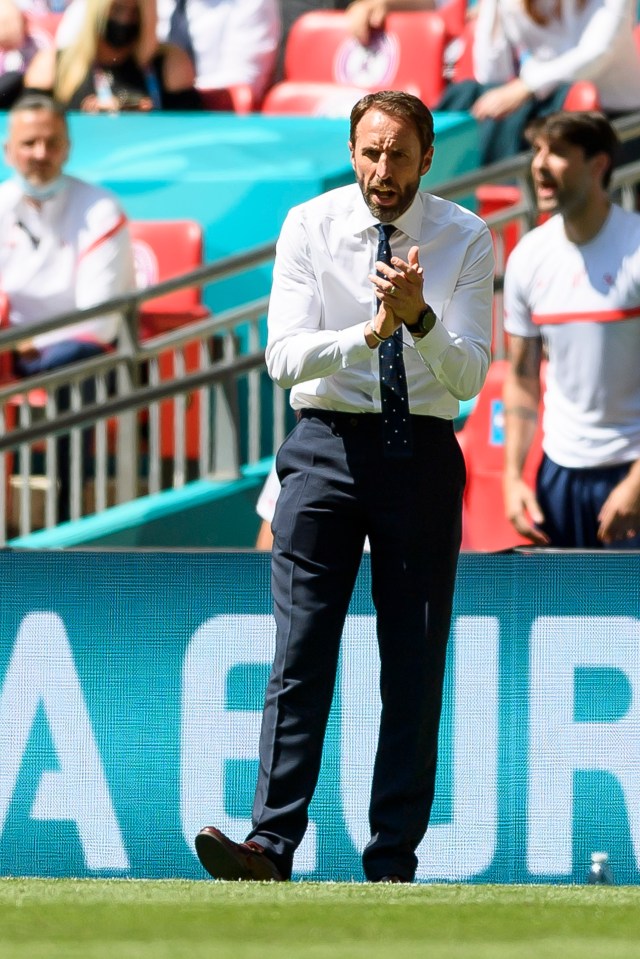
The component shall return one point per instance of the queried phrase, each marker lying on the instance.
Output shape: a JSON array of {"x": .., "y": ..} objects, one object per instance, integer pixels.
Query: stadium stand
[{"x": 408, "y": 54}]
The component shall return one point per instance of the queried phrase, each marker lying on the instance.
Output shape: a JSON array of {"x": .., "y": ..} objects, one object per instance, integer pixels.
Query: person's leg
[
  {"x": 318, "y": 540},
  {"x": 50, "y": 358},
  {"x": 500, "y": 139},
  {"x": 415, "y": 543}
]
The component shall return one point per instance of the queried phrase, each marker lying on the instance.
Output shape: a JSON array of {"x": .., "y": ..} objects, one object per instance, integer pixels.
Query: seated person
[
  {"x": 64, "y": 245},
  {"x": 115, "y": 63},
  {"x": 228, "y": 43},
  {"x": 527, "y": 54}
]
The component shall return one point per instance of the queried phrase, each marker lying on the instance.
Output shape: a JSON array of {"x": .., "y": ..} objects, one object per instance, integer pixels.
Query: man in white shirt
[
  {"x": 64, "y": 245},
  {"x": 572, "y": 286},
  {"x": 377, "y": 347}
]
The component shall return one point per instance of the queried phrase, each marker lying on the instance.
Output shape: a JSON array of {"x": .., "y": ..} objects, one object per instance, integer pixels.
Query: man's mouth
[
  {"x": 383, "y": 195},
  {"x": 546, "y": 189}
]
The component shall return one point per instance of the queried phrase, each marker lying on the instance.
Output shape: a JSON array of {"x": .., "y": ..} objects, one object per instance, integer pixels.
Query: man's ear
[
  {"x": 352, "y": 154},
  {"x": 427, "y": 160}
]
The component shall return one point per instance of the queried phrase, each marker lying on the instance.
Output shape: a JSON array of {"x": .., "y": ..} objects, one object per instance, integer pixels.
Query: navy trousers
[
  {"x": 337, "y": 488},
  {"x": 571, "y": 500}
]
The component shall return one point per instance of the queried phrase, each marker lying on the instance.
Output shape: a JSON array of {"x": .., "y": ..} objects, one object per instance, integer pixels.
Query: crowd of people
[{"x": 162, "y": 54}]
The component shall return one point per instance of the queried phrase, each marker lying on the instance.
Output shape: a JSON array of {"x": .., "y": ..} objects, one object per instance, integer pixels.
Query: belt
[{"x": 338, "y": 419}]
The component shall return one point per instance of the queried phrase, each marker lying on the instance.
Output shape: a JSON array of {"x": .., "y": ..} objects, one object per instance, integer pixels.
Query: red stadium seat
[
  {"x": 6, "y": 374},
  {"x": 235, "y": 99},
  {"x": 485, "y": 526},
  {"x": 164, "y": 249},
  {"x": 407, "y": 55},
  {"x": 582, "y": 95},
  {"x": 311, "y": 99},
  {"x": 454, "y": 14}
]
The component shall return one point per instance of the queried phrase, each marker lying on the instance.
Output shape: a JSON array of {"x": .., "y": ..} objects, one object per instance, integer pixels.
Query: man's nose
[{"x": 382, "y": 168}]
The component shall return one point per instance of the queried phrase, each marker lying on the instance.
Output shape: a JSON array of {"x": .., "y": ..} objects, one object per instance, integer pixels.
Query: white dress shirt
[
  {"x": 592, "y": 42},
  {"x": 71, "y": 252},
  {"x": 322, "y": 300}
]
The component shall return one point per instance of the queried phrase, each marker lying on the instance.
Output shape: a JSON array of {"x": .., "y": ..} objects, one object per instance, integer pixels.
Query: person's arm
[
  {"x": 589, "y": 57},
  {"x": 521, "y": 403},
  {"x": 178, "y": 76},
  {"x": 300, "y": 346},
  {"x": 11, "y": 26},
  {"x": 457, "y": 348},
  {"x": 620, "y": 514},
  {"x": 105, "y": 267},
  {"x": 363, "y": 16},
  {"x": 41, "y": 72}
]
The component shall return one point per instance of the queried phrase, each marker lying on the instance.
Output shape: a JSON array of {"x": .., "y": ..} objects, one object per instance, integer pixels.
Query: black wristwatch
[{"x": 423, "y": 324}]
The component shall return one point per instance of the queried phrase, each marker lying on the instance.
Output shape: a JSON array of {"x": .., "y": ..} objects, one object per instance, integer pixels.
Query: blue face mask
[{"x": 40, "y": 191}]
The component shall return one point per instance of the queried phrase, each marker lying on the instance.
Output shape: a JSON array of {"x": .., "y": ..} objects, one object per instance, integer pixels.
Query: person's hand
[
  {"x": 619, "y": 517},
  {"x": 26, "y": 350},
  {"x": 399, "y": 290},
  {"x": 501, "y": 101},
  {"x": 523, "y": 510},
  {"x": 363, "y": 16},
  {"x": 94, "y": 104}
]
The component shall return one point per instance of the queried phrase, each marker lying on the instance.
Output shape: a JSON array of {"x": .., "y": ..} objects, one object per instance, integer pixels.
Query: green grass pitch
[{"x": 131, "y": 919}]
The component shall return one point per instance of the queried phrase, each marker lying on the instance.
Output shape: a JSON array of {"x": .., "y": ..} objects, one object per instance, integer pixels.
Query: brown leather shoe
[{"x": 224, "y": 859}]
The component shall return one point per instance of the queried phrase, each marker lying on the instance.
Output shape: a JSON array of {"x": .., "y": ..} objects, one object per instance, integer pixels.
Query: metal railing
[{"x": 190, "y": 403}]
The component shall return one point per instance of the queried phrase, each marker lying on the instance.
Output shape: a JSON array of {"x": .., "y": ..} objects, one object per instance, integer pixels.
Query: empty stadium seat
[
  {"x": 164, "y": 249},
  {"x": 407, "y": 55},
  {"x": 485, "y": 527}
]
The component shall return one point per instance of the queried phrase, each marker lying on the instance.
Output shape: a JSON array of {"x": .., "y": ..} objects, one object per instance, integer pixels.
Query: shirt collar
[{"x": 410, "y": 222}]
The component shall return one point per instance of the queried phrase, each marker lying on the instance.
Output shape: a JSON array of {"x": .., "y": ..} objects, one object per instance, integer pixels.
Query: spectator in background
[
  {"x": 18, "y": 47},
  {"x": 228, "y": 43},
  {"x": 115, "y": 63},
  {"x": 574, "y": 284},
  {"x": 526, "y": 55},
  {"x": 64, "y": 245},
  {"x": 232, "y": 43}
]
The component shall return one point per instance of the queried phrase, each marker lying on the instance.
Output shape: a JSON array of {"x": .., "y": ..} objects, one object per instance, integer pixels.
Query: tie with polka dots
[{"x": 396, "y": 426}]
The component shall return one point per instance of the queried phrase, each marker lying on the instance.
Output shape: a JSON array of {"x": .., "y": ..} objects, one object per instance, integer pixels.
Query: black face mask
[{"x": 119, "y": 35}]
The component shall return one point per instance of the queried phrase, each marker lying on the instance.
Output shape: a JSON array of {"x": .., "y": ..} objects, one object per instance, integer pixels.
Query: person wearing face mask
[
  {"x": 115, "y": 63},
  {"x": 64, "y": 245}
]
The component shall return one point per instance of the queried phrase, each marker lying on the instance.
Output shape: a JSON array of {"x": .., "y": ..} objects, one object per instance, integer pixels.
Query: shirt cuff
[
  {"x": 353, "y": 346},
  {"x": 435, "y": 343}
]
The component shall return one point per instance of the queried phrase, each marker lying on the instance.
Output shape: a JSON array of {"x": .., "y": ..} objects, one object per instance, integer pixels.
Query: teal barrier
[{"x": 130, "y": 694}]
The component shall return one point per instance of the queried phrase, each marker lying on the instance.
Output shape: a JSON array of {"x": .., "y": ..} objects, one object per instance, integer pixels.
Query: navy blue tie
[{"x": 394, "y": 397}]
